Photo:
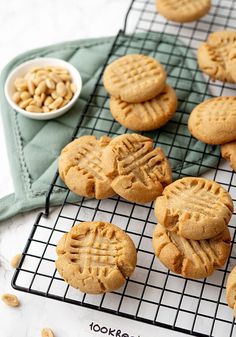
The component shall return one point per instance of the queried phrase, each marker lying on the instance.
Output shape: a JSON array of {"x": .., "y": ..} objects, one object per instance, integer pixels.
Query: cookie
[
  {"x": 80, "y": 167},
  {"x": 228, "y": 152},
  {"x": 183, "y": 10},
  {"x": 148, "y": 115},
  {"x": 214, "y": 120},
  {"x": 96, "y": 257},
  {"x": 216, "y": 56},
  {"x": 231, "y": 290},
  {"x": 195, "y": 208},
  {"x": 191, "y": 258},
  {"x": 134, "y": 78},
  {"x": 138, "y": 172}
]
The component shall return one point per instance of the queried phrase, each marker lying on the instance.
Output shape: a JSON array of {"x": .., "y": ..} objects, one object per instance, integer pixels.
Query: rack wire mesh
[{"x": 153, "y": 294}]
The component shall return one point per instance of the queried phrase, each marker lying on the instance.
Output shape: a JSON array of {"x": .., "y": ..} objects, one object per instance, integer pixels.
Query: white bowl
[{"x": 23, "y": 68}]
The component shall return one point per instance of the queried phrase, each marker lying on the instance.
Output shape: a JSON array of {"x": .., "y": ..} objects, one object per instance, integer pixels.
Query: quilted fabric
[{"x": 34, "y": 146}]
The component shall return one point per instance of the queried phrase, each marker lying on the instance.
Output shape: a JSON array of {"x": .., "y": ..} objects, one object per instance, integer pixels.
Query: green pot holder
[{"x": 33, "y": 146}]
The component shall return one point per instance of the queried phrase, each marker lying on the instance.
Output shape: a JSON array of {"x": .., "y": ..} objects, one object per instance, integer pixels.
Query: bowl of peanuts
[{"x": 43, "y": 88}]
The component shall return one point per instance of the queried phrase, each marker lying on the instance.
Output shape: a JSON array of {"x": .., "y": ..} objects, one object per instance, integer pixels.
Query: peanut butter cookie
[
  {"x": 191, "y": 258},
  {"x": 134, "y": 78},
  {"x": 231, "y": 290},
  {"x": 138, "y": 172},
  {"x": 228, "y": 151},
  {"x": 148, "y": 115},
  {"x": 80, "y": 167},
  {"x": 183, "y": 10},
  {"x": 195, "y": 208},
  {"x": 217, "y": 56},
  {"x": 96, "y": 257},
  {"x": 214, "y": 120}
]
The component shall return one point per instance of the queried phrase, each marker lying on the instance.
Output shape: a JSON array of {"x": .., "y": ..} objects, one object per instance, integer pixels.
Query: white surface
[
  {"x": 25, "y": 25},
  {"x": 25, "y": 67}
]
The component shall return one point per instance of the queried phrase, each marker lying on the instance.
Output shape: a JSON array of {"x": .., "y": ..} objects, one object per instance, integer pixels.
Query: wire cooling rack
[{"x": 153, "y": 294}]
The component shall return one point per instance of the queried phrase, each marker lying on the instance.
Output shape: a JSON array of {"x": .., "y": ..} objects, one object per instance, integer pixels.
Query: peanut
[
  {"x": 55, "y": 77},
  {"x": 43, "y": 96},
  {"x": 16, "y": 97},
  {"x": 54, "y": 94},
  {"x": 61, "y": 89},
  {"x": 15, "y": 260},
  {"x": 24, "y": 95},
  {"x": 20, "y": 84},
  {"x": 50, "y": 83},
  {"x": 45, "y": 109},
  {"x": 33, "y": 108},
  {"x": 48, "y": 101},
  {"x": 64, "y": 103},
  {"x": 37, "y": 101},
  {"x": 36, "y": 81},
  {"x": 65, "y": 77},
  {"x": 56, "y": 103},
  {"x": 31, "y": 87},
  {"x": 69, "y": 94},
  {"x": 73, "y": 87},
  {"x": 10, "y": 300},
  {"x": 25, "y": 103},
  {"x": 46, "y": 332},
  {"x": 41, "y": 88}
]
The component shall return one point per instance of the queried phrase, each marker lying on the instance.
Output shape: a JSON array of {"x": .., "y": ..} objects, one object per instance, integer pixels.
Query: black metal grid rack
[{"x": 153, "y": 294}]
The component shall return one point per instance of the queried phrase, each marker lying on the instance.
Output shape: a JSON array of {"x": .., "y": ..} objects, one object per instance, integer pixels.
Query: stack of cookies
[
  {"x": 192, "y": 236},
  {"x": 127, "y": 165},
  {"x": 214, "y": 122},
  {"x": 140, "y": 98}
]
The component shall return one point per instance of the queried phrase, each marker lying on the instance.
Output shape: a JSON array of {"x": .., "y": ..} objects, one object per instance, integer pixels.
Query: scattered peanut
[
  {"x": 46, "y": 332},
  {"x": 10, "y": 300},
  {"x": 15, "y": 260},
  {"x": 44, "y": 89}
]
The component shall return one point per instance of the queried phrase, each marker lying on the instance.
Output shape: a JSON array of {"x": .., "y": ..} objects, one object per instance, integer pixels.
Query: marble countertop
[{"x": 25, "y": 25}]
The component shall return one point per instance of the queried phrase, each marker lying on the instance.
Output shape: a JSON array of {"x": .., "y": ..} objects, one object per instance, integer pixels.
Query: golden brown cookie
[
  {"x": 228, "y": 152},
  {"x": 138, "y": 172},
  {"x": 96, "y": 257},
  {"x": 214, "y": 120},
  {"x": 191, "y": 258},
  {"x": 195, "y": 208},
  {"x": 148, "y": 115},
  {"x": 231, "y": 290},
  {"x": 217, "y": 56},
  {"x": 80, "y": 167},
  {"x": 134, "y": 78},
  {"x": 183, "y": 10}
]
